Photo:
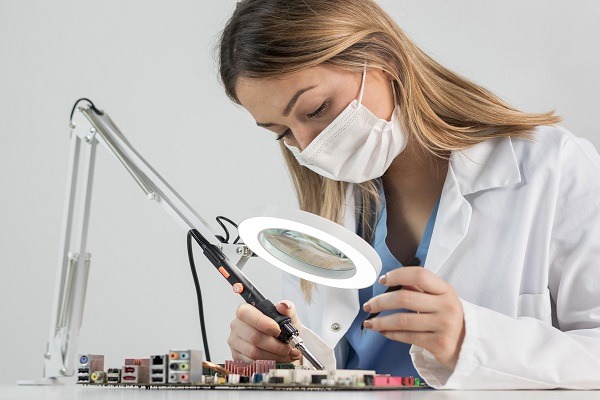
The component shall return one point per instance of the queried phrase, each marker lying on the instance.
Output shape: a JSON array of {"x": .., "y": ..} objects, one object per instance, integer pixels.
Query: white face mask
[{"x": 357, "y": 146}]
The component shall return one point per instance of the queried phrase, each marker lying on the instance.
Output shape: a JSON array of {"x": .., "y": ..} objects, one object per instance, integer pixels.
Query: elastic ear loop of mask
[
  {"x": 362, "y": 88},
  {"x": 394, "y": 94},
  {"x": 362, "y": 85}
]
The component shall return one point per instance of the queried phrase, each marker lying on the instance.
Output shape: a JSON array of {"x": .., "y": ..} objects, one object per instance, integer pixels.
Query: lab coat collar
[{"x": 486, "y": 165}]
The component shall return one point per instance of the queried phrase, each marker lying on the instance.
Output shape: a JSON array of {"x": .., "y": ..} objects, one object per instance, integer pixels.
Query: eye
[
  {"x": 284, "y": 134},
  {"x": 319, "y": 111}
]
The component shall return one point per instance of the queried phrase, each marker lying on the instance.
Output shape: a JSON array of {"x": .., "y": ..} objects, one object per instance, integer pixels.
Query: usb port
[
  {"x": 160, "y": 380},
  {"x": 83, "y": 378},
  {"x": 84, "y": 370},
  {"x": 158, "y": 371}
]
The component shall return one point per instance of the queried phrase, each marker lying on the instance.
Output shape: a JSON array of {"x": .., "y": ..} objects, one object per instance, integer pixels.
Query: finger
[
  {"x": 237, "y": 356},
  {"x": 414, "y": 288},
  {"x": 261, "y": 340},
  {"x": 251, "y": 316},
  {"x": 402, "y": 321},
  {"x": 254, "y": 353},
  {"x": 403, "y": 298},
  {"x": 287, "y": 307},
  {"x": 415, "y": 276},
  {"x": 422, "y": 339}
]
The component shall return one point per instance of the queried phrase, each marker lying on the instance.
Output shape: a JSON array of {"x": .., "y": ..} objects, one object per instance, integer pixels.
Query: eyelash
[
  {"x": 317, "y": 113},
  {"x": 284, "y": 134}
]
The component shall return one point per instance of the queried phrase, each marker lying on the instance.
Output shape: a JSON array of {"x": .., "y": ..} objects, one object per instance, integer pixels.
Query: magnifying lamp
[
  {"x": 311, "y": 247},
  {"x": 303, "y": 244}
]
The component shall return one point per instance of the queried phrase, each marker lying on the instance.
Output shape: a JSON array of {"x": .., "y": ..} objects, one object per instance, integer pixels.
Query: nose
[{"x": 303, "y": 137}]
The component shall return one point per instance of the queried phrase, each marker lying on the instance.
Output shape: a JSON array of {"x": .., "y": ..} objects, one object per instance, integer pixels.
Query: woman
[{"x": 499, "y": 208}]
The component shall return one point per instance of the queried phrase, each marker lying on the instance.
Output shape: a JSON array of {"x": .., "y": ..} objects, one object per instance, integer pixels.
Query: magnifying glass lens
[{"x": 307, "y": 253}]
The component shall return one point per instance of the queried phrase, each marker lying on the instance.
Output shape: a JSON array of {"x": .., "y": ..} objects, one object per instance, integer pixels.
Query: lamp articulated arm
[{"x": 90, "y": 127}]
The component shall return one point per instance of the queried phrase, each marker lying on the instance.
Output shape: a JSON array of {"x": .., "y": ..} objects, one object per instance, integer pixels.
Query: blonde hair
[{"x": 439, "y": 109}]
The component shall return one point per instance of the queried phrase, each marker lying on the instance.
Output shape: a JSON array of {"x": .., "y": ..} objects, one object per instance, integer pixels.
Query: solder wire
[{"x": 216, "y": 367}]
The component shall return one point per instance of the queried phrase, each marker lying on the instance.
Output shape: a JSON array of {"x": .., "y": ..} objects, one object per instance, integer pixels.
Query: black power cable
[
  {"x": 195, "y": 275},
  {"x": 226, "y": 240},
  {"x": 99, "y": 112},
  {"x": 198, "y": 295}
]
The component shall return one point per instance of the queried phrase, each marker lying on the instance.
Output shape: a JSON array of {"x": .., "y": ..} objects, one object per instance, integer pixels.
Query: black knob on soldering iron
[{"x": 285, "y": 323}]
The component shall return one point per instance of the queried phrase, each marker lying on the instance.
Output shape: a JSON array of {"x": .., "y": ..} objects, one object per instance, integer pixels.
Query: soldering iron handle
[
  {"x": 253, "y": 296},
  {"x": 242, "y": 286}
]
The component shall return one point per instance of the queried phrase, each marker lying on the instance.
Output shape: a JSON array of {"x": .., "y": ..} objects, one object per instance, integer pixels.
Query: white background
[{"x": 150, "y": 65}]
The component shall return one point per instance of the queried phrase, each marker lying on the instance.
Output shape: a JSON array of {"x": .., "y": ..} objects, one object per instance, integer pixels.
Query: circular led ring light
[{"x": 365, "y": 262}]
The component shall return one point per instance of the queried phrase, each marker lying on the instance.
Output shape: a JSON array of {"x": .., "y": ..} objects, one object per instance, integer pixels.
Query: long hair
[{"x": 441, "y": 110}]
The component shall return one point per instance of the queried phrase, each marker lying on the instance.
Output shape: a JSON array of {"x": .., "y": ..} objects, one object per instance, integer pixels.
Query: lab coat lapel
[
  {"x": 334, "y": 326},
  {"x": 451, "y": 225},
  {"x": 486, "y": 165}
]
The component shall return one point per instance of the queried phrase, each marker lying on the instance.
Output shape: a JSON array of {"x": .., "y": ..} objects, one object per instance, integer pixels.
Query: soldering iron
[{"x": 242, "y": 286}]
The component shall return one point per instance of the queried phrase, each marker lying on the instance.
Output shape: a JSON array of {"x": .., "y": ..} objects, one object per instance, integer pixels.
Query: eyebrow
[{"x": 289, "y": 106}]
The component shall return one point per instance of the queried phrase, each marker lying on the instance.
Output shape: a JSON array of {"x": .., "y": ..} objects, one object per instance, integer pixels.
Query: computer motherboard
[{"x": 185, "y": 369}]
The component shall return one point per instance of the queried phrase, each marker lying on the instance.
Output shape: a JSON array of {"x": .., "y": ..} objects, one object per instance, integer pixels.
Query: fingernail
[
  {"x": 383, "y": 279},
  {"x": 295, "y": 358},
  {"x": 286, "y": 303},
  {"x": 367, "y": 307},
  {"x": 368, "y": 324}
]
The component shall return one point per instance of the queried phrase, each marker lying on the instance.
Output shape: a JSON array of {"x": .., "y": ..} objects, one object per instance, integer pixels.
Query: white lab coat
[{"x": 517, "y": 235}]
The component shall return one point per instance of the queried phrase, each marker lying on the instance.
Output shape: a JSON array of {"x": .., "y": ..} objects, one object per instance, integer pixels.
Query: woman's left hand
[{"x": 438, "y": 325}]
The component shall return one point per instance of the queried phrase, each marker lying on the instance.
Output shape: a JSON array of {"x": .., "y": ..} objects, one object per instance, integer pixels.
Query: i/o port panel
[
  {"x": 137, "y": 374},
  {"x": 88, "y": 364},
  {"x": 113, "y": 375},
  {"x": 185, "y": 366},
  {"x": 158, "y": 368}
]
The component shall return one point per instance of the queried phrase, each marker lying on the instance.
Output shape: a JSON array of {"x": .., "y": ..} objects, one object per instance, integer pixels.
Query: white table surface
[{"x": 14, "y": 392}]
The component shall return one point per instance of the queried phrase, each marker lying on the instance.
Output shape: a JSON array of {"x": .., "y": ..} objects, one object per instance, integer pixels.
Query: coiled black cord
[{"x": 226, "y": 239}]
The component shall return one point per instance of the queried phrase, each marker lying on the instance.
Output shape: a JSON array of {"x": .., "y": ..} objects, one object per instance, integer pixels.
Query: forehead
[{"x": 263, "y": 96}]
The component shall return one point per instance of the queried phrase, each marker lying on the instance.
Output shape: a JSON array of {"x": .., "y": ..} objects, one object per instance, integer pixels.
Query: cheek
[{"x": 380, "y": 101}]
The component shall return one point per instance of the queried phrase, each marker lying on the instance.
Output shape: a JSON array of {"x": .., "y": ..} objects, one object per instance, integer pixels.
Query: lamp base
[{"x": 40, "y": 382}]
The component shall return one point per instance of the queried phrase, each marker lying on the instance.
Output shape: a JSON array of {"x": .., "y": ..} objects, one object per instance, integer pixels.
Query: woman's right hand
[{"x": 253, "y": 335}]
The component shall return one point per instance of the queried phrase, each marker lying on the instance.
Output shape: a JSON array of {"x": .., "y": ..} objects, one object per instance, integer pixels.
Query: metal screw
[
  {"x": 72, "y": 125},
  {"x": 88, "y": 138},
  {"x": 47, "y": 355},
  {"x": 243, "y": 251},
  {"x": 335, "y": 327},
  {"x": 63, "y": 372},
  {"x": 93, "y": 130}
]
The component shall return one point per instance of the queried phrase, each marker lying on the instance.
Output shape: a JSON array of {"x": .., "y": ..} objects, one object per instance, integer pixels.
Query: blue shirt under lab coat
[{"x": 370, "y": 350}]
